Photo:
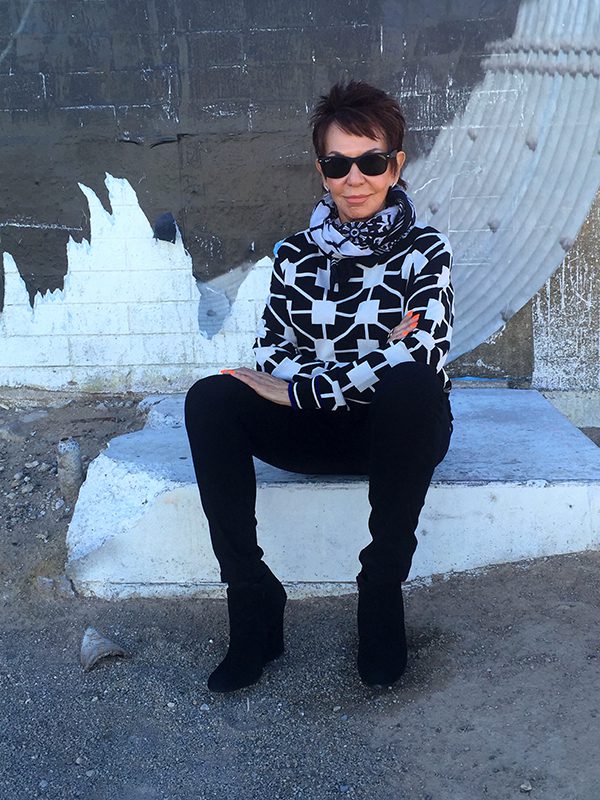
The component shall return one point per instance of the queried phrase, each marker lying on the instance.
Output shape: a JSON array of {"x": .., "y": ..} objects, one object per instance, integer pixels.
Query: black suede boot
[
  {"x": 275, "y": 600},
  {"x": 381, "y": 634},
  {"x": 255, "y": 633}
]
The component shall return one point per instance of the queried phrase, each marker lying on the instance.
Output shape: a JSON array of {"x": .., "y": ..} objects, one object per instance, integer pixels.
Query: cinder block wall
[{"x": 202, "y": 107}]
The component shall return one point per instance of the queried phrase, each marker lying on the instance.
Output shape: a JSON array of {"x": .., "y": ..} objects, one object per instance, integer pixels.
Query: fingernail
[{"x": 228, "y": 371}]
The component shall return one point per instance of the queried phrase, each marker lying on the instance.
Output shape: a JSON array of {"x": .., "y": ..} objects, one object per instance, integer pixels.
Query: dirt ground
[
  {"x": 500, "y": 699},
  {"x": 34, "y": 515}
]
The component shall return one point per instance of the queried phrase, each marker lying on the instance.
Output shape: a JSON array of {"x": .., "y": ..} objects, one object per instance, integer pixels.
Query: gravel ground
[{"x": 500, "y": 700}]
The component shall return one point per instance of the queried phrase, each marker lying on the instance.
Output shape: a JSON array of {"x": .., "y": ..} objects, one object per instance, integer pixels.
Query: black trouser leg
[
  {"x": 408, "y": 435},
  {"x": 227, "y": 423},
  {"x": 397, "y": 440}
]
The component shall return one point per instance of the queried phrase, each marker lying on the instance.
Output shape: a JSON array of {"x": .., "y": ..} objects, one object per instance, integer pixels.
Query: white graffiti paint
[
  {"x": 127, "y": 317},
  {"x": 513, "y": 178}
]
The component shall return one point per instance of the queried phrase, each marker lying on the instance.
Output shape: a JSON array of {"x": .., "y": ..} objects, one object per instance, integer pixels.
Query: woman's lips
[{"x": 359, "y": 198}]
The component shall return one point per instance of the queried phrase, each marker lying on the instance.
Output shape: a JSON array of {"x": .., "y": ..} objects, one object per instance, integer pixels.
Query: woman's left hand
[
  {"x": 274, "y": 389},
  {"x": 407, "y": 325}
]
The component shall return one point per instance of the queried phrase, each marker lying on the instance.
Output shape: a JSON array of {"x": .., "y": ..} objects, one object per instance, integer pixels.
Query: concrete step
[{"x": 519, "y": 481}]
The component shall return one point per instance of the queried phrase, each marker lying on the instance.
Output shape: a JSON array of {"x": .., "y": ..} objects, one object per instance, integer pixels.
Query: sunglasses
[{"x": 369, "y": 164}]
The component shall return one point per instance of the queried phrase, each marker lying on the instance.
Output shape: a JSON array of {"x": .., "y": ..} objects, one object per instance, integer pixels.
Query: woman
[{"x": 349, "y": 379}]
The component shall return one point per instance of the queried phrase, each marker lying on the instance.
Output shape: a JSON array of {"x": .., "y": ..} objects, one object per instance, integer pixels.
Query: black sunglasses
[{"x": 368, "y": 164}]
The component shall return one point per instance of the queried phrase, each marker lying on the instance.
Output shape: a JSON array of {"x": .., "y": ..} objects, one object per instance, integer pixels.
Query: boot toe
[
  {"x": 229, "y": 677},
  {"x": 380, "y": 674}
]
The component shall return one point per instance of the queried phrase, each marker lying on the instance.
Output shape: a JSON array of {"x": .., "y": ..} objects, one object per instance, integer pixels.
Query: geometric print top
[{"x": 326, "y": 321}]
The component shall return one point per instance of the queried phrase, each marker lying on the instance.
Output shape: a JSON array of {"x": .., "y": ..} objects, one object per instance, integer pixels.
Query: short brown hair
[{"x": 360, "y": 109}]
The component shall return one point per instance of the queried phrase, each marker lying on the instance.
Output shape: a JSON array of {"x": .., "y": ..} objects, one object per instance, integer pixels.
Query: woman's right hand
[{"x": 407, "y": 325}]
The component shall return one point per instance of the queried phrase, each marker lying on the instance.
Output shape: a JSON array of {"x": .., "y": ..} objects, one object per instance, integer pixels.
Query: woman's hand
[
  {"x": 404, "y": 327},
  {"x": 274, "y": 389}
]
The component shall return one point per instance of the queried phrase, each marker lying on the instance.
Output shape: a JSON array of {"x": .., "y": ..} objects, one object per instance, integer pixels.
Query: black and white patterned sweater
[{"x": 326, "y": 321}]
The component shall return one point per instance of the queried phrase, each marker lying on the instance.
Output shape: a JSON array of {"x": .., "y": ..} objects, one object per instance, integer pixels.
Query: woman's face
[{"x": 359, "y": 196}]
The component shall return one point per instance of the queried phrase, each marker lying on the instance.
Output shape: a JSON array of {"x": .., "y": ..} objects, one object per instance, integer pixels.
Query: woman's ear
[
  {"x": 320, "y": 171},
  {"x": 400, "y": 159}
]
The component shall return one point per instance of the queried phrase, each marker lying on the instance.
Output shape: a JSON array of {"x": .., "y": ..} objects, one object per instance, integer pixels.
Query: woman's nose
[{"x": 355, "y": 175}]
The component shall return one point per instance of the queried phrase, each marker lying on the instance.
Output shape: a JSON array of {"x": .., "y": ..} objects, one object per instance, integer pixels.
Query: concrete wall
[
  {"x": 203, "y": 107},
  {"x": 553, "y": 341},
  {"x": 200, "y": 108},
  {"x": 566, "y": 316}
]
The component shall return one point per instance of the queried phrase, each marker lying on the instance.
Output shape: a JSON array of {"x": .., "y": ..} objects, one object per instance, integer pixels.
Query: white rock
[{"x": 96, "y": 646}]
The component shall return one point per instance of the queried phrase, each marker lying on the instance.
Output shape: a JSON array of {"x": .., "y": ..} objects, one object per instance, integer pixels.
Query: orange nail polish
[{"x": 228, "y": 371}]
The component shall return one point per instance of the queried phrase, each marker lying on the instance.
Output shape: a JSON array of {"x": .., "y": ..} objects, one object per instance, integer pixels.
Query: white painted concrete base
[{"x": 519, "y": 481}]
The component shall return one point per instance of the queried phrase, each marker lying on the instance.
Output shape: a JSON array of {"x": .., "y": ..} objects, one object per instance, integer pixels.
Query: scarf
[{"x": 374, "y": 236}]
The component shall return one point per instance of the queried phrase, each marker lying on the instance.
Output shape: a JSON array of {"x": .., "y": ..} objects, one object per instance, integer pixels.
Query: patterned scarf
[{"x": 374, "y": 236}]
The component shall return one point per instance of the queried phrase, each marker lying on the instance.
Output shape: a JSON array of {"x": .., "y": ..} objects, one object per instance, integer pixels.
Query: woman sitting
[{"x": 350, "y": 353}]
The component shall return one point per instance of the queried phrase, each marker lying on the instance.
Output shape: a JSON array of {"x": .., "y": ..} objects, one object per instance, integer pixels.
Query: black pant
[{"x": 396, "y": 440}]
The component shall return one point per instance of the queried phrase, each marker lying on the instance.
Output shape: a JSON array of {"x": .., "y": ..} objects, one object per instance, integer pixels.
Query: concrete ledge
[{"x": 519, "y": 481}]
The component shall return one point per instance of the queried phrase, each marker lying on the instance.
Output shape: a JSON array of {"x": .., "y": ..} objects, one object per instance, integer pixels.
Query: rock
[
  {"x": 61, "y": 402},
  {"x": 204, "y": 707},
  {"x": 70, "y": 469},
  {"x": 64, "y": 587},
  {"x": 12, "y": 432},
  {"x": 525, "y": 787},
  {"x": 34, "y": 416},
  {"x": 96, "y": 646},
  {"x": 44, "y": 585}
]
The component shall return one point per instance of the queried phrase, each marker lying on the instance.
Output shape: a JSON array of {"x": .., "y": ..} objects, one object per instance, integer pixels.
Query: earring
[{"x": 325, "y": 187}]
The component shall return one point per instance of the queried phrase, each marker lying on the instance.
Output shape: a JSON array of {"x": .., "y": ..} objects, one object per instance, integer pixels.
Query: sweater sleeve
[
  {"x": 429, "y": 292},
  {"x": 275, "y": 347}
]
